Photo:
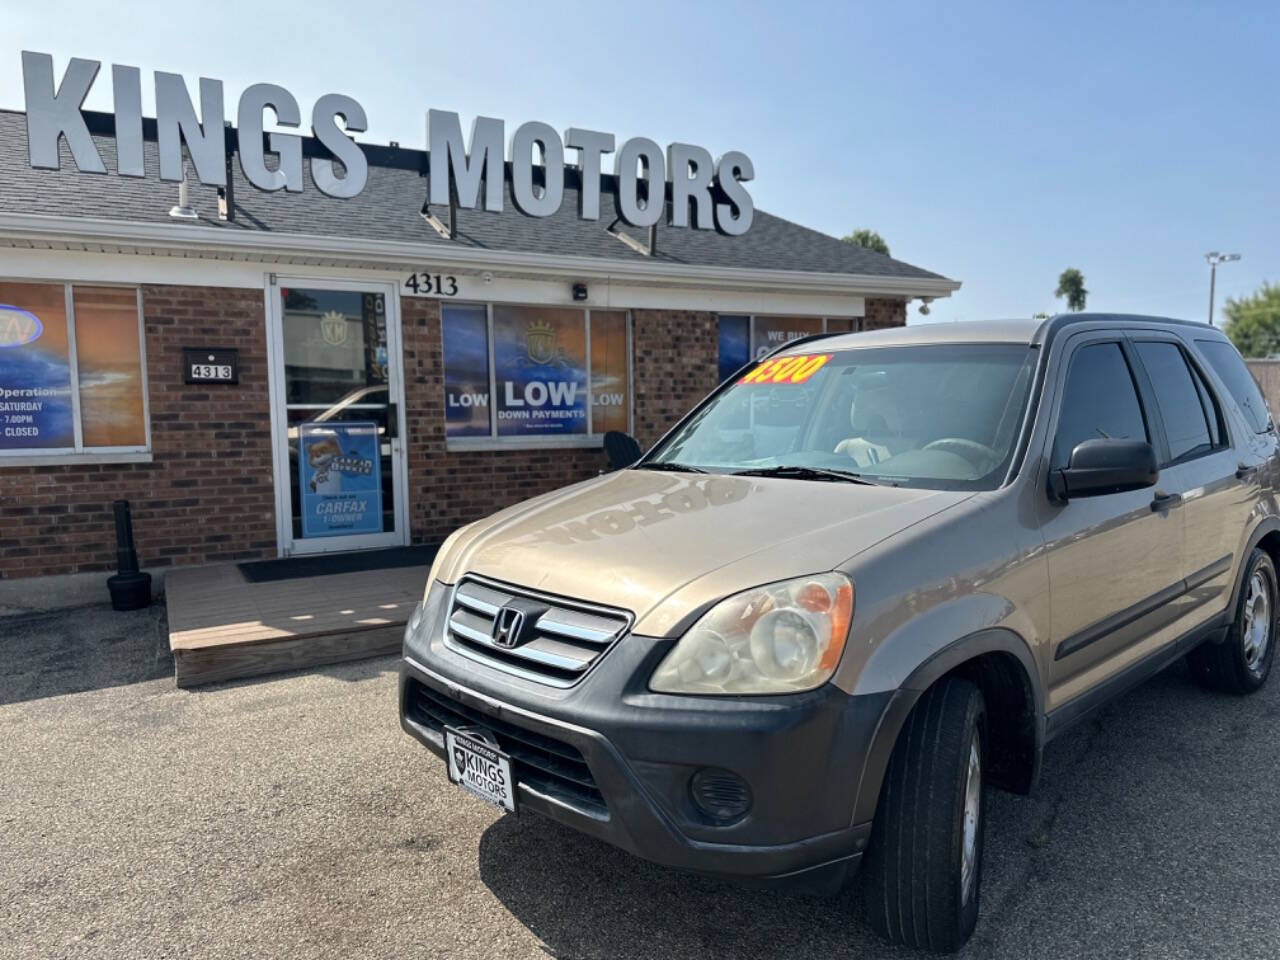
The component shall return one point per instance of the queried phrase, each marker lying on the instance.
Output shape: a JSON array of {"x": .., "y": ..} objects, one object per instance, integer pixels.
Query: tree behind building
[{"x": 869, "y": 239}]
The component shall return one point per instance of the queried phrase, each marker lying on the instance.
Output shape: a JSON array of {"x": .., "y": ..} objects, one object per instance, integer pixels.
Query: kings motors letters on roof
[{"x": 704, "y": 193}]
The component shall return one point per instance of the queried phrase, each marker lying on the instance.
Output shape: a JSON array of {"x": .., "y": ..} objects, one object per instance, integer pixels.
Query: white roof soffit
[{"x": 223, "y": 243}]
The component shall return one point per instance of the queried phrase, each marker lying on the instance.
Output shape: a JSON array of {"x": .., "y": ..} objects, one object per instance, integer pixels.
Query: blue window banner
[
  {"x": 36, "y": 411},
  {"x": 735, "y": 344},
  {"x": 540, "y": 366},
  {"x": 465, "y": 334},
  {"x": 340, "y": 478}
]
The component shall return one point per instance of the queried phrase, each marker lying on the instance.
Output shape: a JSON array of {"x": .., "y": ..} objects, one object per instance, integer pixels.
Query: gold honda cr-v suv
[{"x": 865, "y": 579}]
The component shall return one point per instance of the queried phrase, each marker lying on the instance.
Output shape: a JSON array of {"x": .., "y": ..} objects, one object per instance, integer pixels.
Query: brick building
[{"x": 186, "y": 360}]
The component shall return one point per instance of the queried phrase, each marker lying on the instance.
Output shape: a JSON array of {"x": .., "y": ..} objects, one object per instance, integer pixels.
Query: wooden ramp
[{"x": 222, "y": 627}]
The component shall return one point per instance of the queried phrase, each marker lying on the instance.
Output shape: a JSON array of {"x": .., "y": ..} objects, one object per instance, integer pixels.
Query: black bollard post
[
  {"x": 126, "y": 555},
  {"x": 130, "y": 590}
]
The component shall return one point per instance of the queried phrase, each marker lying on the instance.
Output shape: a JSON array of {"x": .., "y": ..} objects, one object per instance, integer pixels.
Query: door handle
[
  {"x": 1165, "y": 501},
  {"x": 393, "y": 421},
  {"x": 1245, "y": 470}
]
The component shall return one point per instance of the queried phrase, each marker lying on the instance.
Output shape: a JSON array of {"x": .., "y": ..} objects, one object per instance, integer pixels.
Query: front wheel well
[
  {"x": 1012, "y": 741},
  {"x": 1271, "y": 544}
]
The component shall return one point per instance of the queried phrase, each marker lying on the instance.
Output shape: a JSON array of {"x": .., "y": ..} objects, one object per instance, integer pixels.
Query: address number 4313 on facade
[{"x": 426, "y": 284}]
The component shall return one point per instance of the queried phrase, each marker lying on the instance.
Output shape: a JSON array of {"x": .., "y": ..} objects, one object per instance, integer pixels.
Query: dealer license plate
[{"x": 481, "y": 769}]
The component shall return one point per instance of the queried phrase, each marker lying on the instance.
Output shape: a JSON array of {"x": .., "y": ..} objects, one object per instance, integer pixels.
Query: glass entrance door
[{"x": 337, "y": 399}]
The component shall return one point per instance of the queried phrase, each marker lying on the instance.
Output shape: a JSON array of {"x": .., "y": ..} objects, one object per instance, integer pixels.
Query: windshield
[{"x": 941, "y": 416}]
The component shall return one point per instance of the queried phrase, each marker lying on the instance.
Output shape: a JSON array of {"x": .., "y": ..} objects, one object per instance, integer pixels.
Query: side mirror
[
  {"x": 621, "y": 449},
  {"x": 1105, "y": 466}
]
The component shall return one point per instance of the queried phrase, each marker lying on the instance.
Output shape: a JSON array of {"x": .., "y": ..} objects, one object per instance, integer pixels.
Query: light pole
[{"x": 1214, "y": 258}]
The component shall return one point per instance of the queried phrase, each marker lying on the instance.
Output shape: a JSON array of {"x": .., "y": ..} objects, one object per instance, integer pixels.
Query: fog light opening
[{"x": 721, "y": 795}]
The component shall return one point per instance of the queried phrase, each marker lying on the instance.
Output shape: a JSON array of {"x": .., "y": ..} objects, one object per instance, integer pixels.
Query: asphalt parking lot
[{"x": 290, "y": 817}]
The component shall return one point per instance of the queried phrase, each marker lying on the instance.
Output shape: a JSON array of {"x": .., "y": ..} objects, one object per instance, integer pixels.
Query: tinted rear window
[
  {"x": 1211, "y": 409},
  {"x": 1185, "y": 425},
  {"x": 1228, "y": 365}
]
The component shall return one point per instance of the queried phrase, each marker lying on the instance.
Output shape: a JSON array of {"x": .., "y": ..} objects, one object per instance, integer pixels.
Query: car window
[
  {"x": 1185, "y": 425},
  {"x": 942, "y": 416},
  {"x": 1228, "y": 365},
  {"x": 1212, "y": 412},
  {"x": 1100, "y": 400}
]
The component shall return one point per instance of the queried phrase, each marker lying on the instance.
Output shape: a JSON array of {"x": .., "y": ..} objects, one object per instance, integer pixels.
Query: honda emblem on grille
[{"x": 507, "y": 627}]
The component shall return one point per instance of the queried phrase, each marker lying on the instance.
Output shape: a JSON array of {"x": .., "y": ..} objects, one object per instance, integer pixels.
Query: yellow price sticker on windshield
[{"x": 795, "y": 369}]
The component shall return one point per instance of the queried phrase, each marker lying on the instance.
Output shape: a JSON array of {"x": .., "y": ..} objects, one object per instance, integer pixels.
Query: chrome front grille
[{"x": 558, "y": 640}]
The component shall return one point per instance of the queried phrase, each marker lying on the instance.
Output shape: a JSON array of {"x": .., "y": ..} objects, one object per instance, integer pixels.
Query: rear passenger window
[
  {"x": 1227, "y": 364},
  {"x": 1185, "y": 425},
  {"x": 1100, "y": 400},
  {"x": 1212, "y": 412}
]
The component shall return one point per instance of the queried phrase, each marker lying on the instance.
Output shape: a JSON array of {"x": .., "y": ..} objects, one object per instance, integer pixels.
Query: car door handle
[
  {"x": 1244, "y": 470},
  {"x": 1166, "y": 501}
]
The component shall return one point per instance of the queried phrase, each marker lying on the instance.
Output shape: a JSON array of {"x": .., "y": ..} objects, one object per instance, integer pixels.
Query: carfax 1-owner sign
[{"x": 340, "y": 476}]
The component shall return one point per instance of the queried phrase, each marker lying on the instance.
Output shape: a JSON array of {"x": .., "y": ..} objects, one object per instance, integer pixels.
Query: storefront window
[
  {"x": 71, "y": 380},
  {"x": 540, "y": 367},
  {"x": 610, "y": 376},
  {"x": 538, "y": 374},
  {"x": 743, "y": 338},
  {"x": 735, "y": 344},
  {"x": 770, "y": 333},
  {"x": 109, "y": 357},
  {"x": 466, "y": 372}
]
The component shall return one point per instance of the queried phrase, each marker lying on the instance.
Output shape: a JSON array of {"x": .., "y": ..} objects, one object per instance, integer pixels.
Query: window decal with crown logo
[
  {"x": 540, "y": 382},
  {"x": 540, "y": 361}
]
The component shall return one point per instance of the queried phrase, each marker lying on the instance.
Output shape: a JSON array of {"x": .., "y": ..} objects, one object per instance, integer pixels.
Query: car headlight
[{"x": 780, "y": 638}]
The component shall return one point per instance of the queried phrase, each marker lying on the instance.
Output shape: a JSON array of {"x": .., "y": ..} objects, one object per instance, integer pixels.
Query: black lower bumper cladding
[{"x": 612, "y": 759}]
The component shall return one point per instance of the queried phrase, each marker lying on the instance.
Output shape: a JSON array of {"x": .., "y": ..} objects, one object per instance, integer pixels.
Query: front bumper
[{"x": 614, "y": 760}]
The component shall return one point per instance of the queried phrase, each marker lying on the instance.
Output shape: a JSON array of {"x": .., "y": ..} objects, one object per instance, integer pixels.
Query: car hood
[{"x": 664, "y": 545}]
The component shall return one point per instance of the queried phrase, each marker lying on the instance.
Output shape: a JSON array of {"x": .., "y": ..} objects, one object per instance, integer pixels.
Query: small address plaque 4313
[{"x": 210, "y": 365}]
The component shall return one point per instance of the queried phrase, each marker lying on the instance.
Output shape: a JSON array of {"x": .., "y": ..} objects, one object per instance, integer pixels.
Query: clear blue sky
[{"x": 995, "y": 143}]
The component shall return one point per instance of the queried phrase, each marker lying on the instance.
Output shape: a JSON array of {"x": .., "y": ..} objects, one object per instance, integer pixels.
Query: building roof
[{"x": 390, "y": 209}]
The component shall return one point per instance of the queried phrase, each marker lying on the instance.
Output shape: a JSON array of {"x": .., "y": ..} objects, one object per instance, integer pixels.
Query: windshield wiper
[
  {"x": 670, "y": 467},
  {"x": 796, "y": 472}
]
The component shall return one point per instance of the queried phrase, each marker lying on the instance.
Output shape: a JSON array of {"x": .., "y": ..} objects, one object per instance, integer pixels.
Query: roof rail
[{"x": 1057, "y": 321}]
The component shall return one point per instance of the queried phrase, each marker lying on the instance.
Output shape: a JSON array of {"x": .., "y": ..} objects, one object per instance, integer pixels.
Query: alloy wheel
[
  {"x": 1256, "y": 629},
  {"x": 972, "y": 815}
]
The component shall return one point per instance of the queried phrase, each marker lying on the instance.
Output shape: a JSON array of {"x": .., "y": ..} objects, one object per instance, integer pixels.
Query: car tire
[
  {"x": 1242, "y": 662},
  {"x": 923, "y": 868}
]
